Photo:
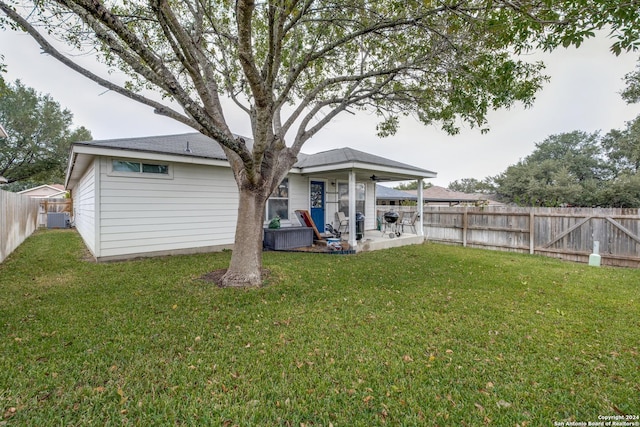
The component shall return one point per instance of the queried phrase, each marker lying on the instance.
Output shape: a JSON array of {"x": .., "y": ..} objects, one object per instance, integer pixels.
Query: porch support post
[
  {"x": 352, "y": 209},
  {"x": 420, "y": 208}
]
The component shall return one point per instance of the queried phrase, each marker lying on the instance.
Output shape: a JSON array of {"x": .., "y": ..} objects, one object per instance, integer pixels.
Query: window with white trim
[
  {"x": 278, "y": 203},
  {"x": 139, "y": 167},
  {"x": 343, "y": 197}
]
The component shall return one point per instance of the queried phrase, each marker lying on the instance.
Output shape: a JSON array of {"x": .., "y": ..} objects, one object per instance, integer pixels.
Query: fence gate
[
  {"x": 572, "y": 237},
  {"x": 567, "y": 233}
]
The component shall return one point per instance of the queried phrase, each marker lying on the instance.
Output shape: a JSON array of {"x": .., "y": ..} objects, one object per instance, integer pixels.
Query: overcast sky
[{"x": 583, "y": 94}]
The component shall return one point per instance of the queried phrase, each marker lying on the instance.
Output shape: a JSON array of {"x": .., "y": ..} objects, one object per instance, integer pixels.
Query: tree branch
[{"x": 47, "y": 48}]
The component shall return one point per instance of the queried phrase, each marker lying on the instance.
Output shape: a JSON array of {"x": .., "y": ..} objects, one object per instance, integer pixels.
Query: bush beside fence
[{"x": 18, "y": 220}]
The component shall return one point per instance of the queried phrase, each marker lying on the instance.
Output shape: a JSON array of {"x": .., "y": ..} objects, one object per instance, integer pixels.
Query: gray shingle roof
[
  {"x": 349, "y": 155},
  {"x": 441, "y": 194},
  {"x": 200, "y": 145},
  {"x": 387, "y": 193},
  {"x": 205, "y": 147}
]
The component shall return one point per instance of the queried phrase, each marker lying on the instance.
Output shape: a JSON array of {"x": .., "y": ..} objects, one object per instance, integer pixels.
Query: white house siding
[
  {"x": 195, "y": 208},
  {"x": 84, "y": 208},
  {"x": 298, "y": 196}
]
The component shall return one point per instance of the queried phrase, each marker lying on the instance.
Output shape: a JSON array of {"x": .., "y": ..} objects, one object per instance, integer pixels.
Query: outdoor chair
[
  {"x": 409, "y": 220},
  {"x": 342, "y": 221}
]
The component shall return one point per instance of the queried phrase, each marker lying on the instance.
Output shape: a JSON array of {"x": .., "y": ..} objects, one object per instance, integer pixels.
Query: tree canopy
[
  {"x": 578, "y": 168},
  {"x": 571, "y": 169},
  {"x": 472, "y": 185},
  {"x": 294, "y": 65},
  {"x": 40, "y": 133}
]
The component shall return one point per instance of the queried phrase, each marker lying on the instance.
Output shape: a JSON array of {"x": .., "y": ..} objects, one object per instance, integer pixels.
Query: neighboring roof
[
  {"x": 197, "y": 146},
  {"x": 3, "y": 133},
  {"x": 44, "y": 191},
  {"x": 441, "y": 194},
  {"x": 386, "y": 193}
]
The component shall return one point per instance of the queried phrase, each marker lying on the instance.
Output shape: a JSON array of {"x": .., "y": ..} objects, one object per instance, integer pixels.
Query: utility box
[
  {"x": 58, "y": 220},
  {"x": 277, "y": 239}
]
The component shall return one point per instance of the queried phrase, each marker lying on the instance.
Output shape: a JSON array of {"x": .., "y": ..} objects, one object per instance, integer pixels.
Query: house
[
  {"x": 440, "y": 196},
  {"x": 53, "y": 199},
  {"x": 387, "y": 196},
  {"x": 45, "y": 191},
  {"x": 176, "y": 194}
]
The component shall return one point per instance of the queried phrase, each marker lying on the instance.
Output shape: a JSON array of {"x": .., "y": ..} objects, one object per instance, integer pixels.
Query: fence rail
[
  {"x": 567, "y": 233},
  {"x": 18, "y": 220}
]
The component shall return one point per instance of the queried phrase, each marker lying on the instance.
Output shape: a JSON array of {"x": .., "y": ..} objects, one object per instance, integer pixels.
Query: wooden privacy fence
[
  {"x": 566, "y": 233},
  {"x": 18, "y": 220}
]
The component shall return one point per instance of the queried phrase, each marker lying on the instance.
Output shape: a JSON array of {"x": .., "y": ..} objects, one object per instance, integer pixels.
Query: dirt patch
[
  {"x": 321, "y": 247},
  {"x": 215, "y": 276}
]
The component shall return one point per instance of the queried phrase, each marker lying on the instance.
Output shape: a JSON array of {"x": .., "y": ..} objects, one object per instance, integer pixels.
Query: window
[
  {"x": 129, "y": 166},
  {"x": 122, "y": 166},
  {"x": 343, "y": 195},
  {"x": 147, "y": 168},
  {"x": 278, "y": 203}
]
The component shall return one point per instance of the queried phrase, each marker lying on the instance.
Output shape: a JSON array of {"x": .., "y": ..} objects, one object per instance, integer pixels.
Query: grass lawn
[{"x": 419, "y": 335}]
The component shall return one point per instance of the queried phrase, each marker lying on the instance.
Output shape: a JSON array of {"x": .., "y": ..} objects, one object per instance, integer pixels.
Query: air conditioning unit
[{"x": 58, "y": 220}]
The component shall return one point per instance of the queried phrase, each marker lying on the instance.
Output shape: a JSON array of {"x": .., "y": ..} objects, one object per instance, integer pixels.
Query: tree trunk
[{"x": 245, "y": 269}]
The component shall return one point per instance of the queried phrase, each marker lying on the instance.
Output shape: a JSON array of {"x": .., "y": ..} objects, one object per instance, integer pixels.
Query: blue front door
[{"x": 317, "y": 204}]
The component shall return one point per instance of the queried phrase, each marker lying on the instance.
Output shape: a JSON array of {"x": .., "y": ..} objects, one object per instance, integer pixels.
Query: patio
[{"x": 373, "y": 240}]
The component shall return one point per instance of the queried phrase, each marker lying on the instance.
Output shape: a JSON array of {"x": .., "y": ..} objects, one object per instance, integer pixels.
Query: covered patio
[{"x": 356, "y": 172}]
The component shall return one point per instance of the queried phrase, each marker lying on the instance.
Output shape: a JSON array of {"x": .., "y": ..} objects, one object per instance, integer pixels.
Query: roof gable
[{"x": 44, "y": 191}]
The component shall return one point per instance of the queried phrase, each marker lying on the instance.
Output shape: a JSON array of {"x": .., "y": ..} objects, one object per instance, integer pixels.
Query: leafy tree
[
  {"x": 631, "y": 93},
  {"x": 293, "y": 65},
  {"x": 578, "y": 151},
  {"x": 623, "y": 191},
  {"x": 40, "y": 134},
  {"x": 472, "y": 185},
  {"x": 623, "y": 148},
  {"x": 565, "y": 169},
  {"x": 411, "y": 185}
]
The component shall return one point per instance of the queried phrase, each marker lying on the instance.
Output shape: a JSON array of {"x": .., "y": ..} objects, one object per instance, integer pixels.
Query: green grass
[{"x": 420, "y": 335}]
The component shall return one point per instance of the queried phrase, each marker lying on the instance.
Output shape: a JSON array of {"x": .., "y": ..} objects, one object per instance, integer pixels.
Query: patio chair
[
  {"x": 409, "y": 220},
  {"x": 342, "y": 221}
]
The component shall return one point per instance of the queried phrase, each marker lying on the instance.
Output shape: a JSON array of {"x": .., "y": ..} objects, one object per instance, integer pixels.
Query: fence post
[
  {"x": 532, "y": 230},
  {"x": 465, "y": 225}
]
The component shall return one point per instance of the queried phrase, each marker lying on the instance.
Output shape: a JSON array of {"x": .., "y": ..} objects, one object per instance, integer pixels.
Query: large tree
[
  {"x": 623, "y": 148},
  {"x": 472, "y": 185},
  {"x": 293, "y": 65},
  {"x": 40, "y": 133},
  {"x": 565, "y": 169}
]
